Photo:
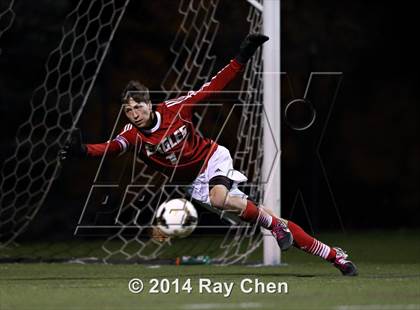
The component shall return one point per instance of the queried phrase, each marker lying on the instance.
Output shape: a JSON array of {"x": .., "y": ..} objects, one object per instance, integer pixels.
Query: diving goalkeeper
[{"x": 167, "y": 141}]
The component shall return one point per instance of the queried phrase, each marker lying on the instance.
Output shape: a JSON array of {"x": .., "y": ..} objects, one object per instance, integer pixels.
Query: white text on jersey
[{"x": 168, "y": 143}]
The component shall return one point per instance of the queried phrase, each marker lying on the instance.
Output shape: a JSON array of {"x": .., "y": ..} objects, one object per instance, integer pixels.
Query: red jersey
[{"x": 172, "y": 146}]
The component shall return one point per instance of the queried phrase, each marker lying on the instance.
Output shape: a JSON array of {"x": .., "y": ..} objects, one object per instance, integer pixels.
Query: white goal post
[
  {"x": 271, "y": 98},
  {"x": 272, "y": 191}
]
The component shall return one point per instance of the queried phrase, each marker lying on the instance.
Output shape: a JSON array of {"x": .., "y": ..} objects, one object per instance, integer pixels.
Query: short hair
[{"x": 135, "y": 90}]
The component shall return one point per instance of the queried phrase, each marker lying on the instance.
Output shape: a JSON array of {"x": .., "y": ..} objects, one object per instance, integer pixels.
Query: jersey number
[{"x": 172, "y": 158}]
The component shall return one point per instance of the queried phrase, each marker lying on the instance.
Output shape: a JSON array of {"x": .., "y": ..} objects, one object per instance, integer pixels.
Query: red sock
[
  {"x": 253, "y": 214},
  {"x": 309, "y": 244}
]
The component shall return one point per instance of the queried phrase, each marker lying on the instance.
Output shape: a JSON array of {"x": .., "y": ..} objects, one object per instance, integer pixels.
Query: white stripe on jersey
[
  {"x": 127, "y": 128},
  {"x": 178, "y": 100},
  {"x": 191, "y": 93},
  {"x": 174, "y": 101}
]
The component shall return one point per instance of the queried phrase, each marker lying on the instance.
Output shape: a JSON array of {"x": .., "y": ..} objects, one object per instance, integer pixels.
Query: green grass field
[{"x": 389, "y": 266}]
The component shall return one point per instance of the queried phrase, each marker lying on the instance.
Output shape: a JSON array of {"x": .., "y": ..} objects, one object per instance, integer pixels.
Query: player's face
[{"x": 139, "y": 114}]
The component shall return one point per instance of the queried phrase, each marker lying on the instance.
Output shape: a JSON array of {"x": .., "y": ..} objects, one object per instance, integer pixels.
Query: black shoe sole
[
  {"x": 351, "y": 271},
  {"x": 286, "y": 242}
]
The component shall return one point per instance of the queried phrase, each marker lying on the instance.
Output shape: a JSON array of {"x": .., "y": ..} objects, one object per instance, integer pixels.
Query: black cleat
[
  {"x": 283, "y": 235},
  {"x": 346, "y": 267}
]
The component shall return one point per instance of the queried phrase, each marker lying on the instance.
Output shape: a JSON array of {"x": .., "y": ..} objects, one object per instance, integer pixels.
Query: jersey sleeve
[
  {"x": 216, "y": 84},
  {"x": 114, "y": 147}
]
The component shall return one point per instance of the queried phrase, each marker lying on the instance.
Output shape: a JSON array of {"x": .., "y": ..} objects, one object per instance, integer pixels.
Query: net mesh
[
  {"x": 56, "y": 106},
  {"x": 58, "y": 103},
  {"x": 7, "y": 16},
  {"x": 194, "y": 65}
]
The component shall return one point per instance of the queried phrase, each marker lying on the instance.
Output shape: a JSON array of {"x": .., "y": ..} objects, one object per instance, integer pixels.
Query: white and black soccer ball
[{"x": 177, "y": 218}]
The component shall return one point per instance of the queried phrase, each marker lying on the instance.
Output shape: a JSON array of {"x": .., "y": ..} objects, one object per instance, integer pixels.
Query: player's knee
[
  {"x": 219, "y": 191},
  {"x": 219, "y": 197}
]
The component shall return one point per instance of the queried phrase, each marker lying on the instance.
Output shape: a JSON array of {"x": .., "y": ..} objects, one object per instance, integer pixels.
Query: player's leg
[
  {"x": 309, "y": 244},
  {"x": 223, "y": 193},
  {"x": 247, "y": 210}
]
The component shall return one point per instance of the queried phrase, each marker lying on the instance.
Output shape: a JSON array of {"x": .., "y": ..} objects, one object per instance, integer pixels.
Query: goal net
[
  {"x": 7, "y": 16},
  {"x": 56, "y": 106},
  {"x": 131, "y": 200},
  {"x": 193, "y": 65}
]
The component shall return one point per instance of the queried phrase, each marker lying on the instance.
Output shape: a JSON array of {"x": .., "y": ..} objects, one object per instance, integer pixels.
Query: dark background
[{"x": 356, "y": 168}]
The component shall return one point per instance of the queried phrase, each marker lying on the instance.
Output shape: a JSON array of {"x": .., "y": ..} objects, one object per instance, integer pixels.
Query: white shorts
[{"x": 220, "y": 163}]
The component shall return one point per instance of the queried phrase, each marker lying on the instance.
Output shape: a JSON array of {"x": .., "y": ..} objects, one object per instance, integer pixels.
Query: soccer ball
[{"x": 177, "y": 218}]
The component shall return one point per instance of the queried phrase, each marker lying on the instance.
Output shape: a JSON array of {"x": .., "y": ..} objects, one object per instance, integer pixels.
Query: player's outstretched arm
[
  {"x": 246, "y": 50},
  {"x": 249, "y": 46},
  {"x": 74, "y": 148}
]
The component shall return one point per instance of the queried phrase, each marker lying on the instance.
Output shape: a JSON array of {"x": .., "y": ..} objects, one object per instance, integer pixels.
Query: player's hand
[
  {"x": 74, "y": 148},
  {"x": 249, "y": 46},
  {"x": 158, "y": 234}
]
